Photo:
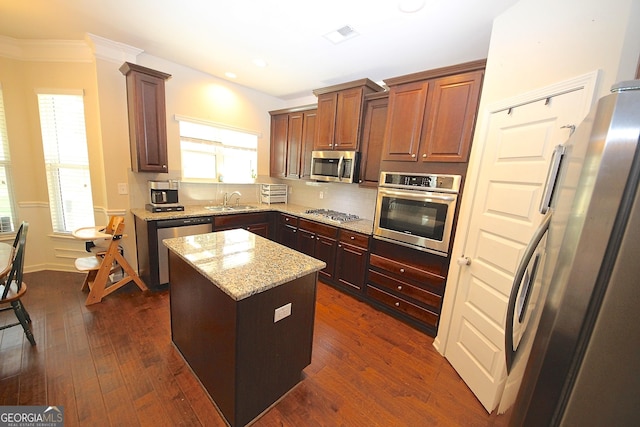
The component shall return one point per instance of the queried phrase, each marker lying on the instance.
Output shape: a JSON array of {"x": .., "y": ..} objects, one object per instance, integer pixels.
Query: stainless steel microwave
[{"x": 334, "y": 166}]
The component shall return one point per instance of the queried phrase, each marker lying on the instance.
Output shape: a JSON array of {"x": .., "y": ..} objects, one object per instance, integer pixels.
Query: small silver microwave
[{"x": 334, "y": 166}]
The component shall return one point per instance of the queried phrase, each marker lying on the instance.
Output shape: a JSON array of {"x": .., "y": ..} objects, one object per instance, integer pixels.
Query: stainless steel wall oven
[{"x": 416, "y": 210}]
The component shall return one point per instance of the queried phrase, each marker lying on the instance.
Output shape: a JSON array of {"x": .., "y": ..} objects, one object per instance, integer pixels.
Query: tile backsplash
[{"x": 347, "y": 198}]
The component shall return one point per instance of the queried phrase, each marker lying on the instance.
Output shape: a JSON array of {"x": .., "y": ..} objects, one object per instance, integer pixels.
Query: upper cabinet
[
  {"x": 147, "y": 118},
  {"x": 375, "y": 119},
  {"x": 340, "y": 111},
  {"x": 292, "y": 135},
  {"x": 431, "y": 115}
]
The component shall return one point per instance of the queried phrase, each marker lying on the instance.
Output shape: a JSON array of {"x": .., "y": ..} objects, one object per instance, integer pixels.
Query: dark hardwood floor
[{"x": 113, "y": 364}]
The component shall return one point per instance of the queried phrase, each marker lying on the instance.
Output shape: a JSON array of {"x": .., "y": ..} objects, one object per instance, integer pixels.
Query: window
[
  {"x": 214, "y": 153},
  {"x": 64, "y": 140},
  {"x": 7, "y": 211}
]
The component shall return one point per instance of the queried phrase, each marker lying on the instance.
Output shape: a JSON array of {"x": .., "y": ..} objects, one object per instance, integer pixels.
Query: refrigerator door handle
[
  {"x": 552, "y": 176},
  {"x": 529, "y": 252}
]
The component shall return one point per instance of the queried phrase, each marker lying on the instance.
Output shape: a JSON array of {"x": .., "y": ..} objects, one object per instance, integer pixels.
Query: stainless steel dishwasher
[{"x": 169, "y": 228}]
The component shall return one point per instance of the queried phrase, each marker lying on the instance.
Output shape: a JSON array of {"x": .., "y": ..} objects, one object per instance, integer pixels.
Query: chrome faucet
[{"x": 227, "y": 198}]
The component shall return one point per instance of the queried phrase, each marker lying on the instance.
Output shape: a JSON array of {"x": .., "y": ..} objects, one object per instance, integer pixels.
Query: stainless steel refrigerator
[{"x": 573, "y": 325}]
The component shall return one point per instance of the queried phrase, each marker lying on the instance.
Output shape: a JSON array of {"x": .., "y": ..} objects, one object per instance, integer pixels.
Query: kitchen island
[{"x": 242, "y": 313}]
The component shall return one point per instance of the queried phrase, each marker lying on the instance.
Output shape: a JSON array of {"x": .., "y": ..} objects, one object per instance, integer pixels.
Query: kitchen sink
[{"x": 229, "y": 208}]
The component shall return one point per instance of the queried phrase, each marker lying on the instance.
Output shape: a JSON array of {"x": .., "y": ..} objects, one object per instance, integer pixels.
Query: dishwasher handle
[{"x": 183, "y": 222}]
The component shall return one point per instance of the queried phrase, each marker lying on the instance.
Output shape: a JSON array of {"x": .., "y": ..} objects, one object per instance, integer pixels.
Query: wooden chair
[
  {"x": 104, "y": 264},
  {"x": 12, "y": 289}
]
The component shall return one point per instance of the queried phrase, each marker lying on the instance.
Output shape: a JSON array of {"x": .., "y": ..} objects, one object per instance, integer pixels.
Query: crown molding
[
  {"x": 45, "y": 50},
  {"x": 112, "y": 51}
]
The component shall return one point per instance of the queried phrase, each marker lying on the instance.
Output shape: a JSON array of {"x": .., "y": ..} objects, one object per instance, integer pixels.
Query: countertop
[
  {"x": 363, "y": 226},
  {"x": 241, "y": 263}
]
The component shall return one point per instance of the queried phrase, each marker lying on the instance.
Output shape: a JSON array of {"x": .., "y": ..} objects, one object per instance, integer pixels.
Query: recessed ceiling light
[
  {"x": 258, "y": 62},
  {"x": 230, "y": 75},
  {"x": 341, "y": 34},
  {"x": 410, "y": 6}
]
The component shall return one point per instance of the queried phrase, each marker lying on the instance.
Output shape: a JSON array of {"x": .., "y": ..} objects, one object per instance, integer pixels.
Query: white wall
[{"x": 534, "y": 44}]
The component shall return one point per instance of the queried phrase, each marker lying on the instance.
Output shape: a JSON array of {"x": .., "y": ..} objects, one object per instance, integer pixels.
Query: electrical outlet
[
  {"x": 123, "y": 188},
  {"x": 322, "y": 194},
  {"x": 282, "y": 312}
]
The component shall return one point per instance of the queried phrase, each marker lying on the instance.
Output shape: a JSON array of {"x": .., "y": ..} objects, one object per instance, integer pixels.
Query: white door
[{"x": 503, "y": 218}]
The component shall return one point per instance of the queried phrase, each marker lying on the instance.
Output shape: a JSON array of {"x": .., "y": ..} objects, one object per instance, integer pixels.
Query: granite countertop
[
  {"x": 363, "y": 226},
  {"x": 241, "y": 263}
]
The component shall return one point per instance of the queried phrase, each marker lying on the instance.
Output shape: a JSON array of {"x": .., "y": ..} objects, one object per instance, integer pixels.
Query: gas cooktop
[{"x": 331, "y": 215}]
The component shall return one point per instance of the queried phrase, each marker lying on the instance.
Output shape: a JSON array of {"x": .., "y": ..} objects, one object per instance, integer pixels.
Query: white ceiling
[{"x": 217, "y": 36}]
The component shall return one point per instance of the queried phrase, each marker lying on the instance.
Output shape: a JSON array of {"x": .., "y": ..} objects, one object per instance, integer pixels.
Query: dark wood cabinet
[
  {"x": 375, "y": 119},
  {"x": 292, "y": 135},
  {"x": 448, "y": 130},
  {"x": 351, "y": 259},
  {"x": 147, "y": 118},
  {"x": 287, "y": 231},
  {"x": 257, "y": 223},
  {"x": 340, "y": 112},
  {"x": 319, "y": 241},
  {"x": 279, "y": 142},
  {"x": 431, "y": 115},
  {"x": 407, "y": 283}
]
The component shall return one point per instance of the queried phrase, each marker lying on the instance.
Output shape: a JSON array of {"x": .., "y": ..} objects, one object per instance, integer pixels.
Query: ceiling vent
[{"x": 341, "y": 34}]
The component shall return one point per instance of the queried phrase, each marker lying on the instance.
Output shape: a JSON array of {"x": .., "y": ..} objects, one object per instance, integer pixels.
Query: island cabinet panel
[
  {"x": 243, "y": 357},
  {"x": 319, "y": 241},
  {"x": 147, "y": 117},
  {"x": 257, "y": 223},
  {"x": 407, "y": 283},
  {"x": 351, "y": 259}
]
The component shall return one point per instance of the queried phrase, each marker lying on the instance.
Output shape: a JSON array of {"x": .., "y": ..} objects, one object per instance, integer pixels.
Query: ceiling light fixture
[
  {"x": 258, "y": 62},
  {"x": 341, "y": 34},
  {"x": 410, "y": 6}
]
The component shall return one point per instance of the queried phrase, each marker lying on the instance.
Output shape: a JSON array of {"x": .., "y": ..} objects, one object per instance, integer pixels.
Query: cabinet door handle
[
  {"x": 402, "y": 270},
  {"x": 397, "y": 304},
  {"x": 413, "y": 155},
  {"x": 424, "y": 156},
  {"x": 399, "y": 287}
]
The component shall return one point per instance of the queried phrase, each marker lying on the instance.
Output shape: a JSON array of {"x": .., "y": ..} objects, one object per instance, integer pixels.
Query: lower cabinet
[
  {"x": 407, "y": 283},
  {"x": 351, "y": 259},
  {"x": 257, "y": 223},
  {"x": 319, "y": 241}
]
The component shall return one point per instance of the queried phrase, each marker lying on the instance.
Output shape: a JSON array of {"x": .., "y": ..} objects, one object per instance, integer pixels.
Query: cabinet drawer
[
  {"x": 403, "y": 288},
  {"x": 318, "y": 228},
  {"x": 407, "y": 271},
  {"x": 398, "y": 304},
  {"x": 353, "y": 238},
  {"x": 240, "y": 220},
  {"x": 289, "y": 220}
]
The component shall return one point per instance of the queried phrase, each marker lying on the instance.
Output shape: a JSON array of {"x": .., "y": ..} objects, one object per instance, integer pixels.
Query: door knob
[{"x": 464, "y": 260}]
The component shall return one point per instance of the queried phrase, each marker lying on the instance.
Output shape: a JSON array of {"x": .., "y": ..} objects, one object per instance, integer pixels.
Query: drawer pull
[
  {"x": 402, "y": 270},
  {"x": 353, "y": 237},
  {"x": 397, "y": 304},
  {"x": 399, "y": 287}
]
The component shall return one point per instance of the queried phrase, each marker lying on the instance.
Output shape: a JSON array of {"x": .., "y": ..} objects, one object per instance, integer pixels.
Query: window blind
[
  {"x": 66, "y": 159},
  {"x": 7, "y": 210}
]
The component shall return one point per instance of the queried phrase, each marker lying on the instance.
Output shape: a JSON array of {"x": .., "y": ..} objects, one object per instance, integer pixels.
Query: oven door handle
[{"x": 415, "y": 195}]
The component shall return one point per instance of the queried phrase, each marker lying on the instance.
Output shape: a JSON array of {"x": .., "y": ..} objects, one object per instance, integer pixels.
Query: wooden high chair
[{"x": 105, "y": 262}]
